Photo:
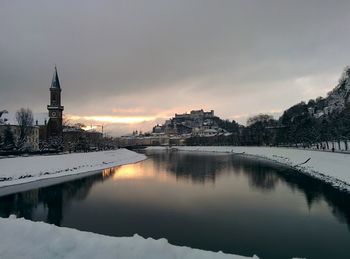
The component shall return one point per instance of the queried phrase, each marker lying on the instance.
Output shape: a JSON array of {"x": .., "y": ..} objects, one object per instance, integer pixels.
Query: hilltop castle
[{"x": 195, "y": 123}]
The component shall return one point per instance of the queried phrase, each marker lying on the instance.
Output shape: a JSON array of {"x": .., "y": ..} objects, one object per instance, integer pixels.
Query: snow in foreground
[
  {"x": 20, "y": 170},
  {"x": 333, "y": 168},
  {"x": 22, "y": 238}
]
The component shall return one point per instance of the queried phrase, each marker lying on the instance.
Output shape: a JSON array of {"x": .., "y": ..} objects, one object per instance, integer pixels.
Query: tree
[
  {"x": 25, "y": 121},
  {"x": 229, "y": 126},
  {"x": 345, "y": 75},
  {"x": 264, "y": 118},
  {"x": 9, "y": 140},
  {"x": 259, "y": 130},
  {"x": 2, "y": 121}
]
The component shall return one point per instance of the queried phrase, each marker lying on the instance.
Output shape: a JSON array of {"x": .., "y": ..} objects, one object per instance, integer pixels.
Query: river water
[{"x": 217, "y": 202}]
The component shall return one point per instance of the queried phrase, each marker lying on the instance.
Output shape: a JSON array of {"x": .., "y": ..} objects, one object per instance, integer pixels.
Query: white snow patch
[
  {"x": 332, "y": 168},
  {"x": 21, "y": 170},
  {"x": 25, "y": 239}
]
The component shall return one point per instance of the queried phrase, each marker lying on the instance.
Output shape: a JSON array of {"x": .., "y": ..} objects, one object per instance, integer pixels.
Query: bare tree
[{"x": 25, "y": 121}]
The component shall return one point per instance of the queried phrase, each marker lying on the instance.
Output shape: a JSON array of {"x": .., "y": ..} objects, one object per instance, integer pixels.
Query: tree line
[{"x": 296, "y": 127}]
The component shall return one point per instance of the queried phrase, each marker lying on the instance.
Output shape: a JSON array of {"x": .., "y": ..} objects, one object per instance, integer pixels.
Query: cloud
[{"x": 154, "y": 58}]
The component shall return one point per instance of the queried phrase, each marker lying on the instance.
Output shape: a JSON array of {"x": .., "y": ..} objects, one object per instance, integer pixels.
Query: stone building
[
  {"x": 189, "y": 123},
  {"x": 140, "y": 140}
]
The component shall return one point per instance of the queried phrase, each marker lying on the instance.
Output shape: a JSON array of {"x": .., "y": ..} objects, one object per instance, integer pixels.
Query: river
[{"x": 217, "y": 202}]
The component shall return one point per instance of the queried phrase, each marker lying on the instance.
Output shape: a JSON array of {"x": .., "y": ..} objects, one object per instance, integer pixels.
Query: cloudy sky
[{"x": 129, "y": 64}]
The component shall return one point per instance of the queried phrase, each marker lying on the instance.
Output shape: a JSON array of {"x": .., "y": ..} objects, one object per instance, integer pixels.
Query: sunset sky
[{"x": 131, "y": 64}]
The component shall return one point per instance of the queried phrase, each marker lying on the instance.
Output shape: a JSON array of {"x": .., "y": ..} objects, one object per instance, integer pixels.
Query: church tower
[{"x": 54, "y": 127}]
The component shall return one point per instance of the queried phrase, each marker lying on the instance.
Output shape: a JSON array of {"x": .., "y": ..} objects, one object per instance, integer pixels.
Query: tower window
[{"x": 54, "y": 98}]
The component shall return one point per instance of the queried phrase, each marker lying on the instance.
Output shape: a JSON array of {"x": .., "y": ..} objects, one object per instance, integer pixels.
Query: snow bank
[
  {"x": 20, "y": 170},
  {"x": 332, "y": 168},
  {"x": 25, "y": 239}
]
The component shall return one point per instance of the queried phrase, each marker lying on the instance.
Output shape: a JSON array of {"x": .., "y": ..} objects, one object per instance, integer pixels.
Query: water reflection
[
  {"x": 185, "y": 196},
  {"x": 50, "y": 202},
  {"x": 131, "y": 172},
  {"x": 47, "y": 204},
  {"x": 191, "y": 167},
  {"x": 262, "y": 176}
]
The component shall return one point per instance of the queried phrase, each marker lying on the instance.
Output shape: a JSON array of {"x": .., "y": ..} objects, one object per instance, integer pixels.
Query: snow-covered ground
[
  {"x": 21, "y": 170},
  {"x": 333, "y": 168},
  {"x": 25, "y": 239}
]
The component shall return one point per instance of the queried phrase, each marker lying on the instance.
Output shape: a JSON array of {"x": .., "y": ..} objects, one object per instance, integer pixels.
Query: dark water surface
[{"x": 207, "y": 201}]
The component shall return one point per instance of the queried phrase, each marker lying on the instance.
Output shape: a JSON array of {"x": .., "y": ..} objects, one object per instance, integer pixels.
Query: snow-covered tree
[
  {"x": 2, "y": 120},
  {"x": 8, "y": 139},
  {"x": 25, "y": 121},
  {"x": 345, "y": 75}
]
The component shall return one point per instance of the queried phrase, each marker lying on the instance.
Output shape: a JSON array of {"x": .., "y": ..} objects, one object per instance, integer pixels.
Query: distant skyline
[{"x": 132, "y": 64}]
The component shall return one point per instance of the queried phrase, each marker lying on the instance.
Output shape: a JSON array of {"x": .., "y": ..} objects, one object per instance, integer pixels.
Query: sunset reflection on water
[{"x": 136, "y": 171}]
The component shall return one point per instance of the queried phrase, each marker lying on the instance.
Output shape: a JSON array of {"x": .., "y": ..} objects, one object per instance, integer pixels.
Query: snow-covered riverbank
[
  {"x": 21, "y": 170},
  {"x": 333, "y": 168},
  {"x": 25, "y": 239}
]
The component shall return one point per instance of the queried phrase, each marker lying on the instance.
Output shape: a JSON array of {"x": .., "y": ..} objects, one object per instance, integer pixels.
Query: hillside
[
  {"x": 336, "y": 101},
  {"x": 322, "y": 119}
]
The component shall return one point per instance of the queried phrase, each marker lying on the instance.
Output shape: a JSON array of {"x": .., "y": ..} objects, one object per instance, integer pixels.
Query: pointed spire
[{"x": 55, "y": 81}]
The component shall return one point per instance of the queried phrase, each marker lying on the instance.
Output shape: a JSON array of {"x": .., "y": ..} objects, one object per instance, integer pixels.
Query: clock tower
[{"x": 54, "y": 127}]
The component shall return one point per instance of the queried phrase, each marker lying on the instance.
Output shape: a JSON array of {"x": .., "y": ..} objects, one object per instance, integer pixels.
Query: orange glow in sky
[{"x": 113, "y": 119}]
